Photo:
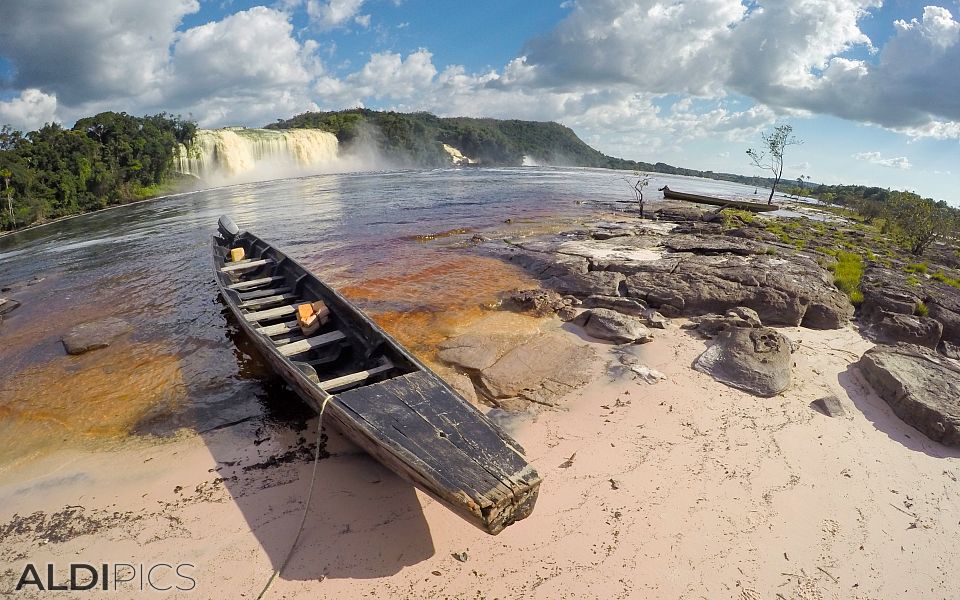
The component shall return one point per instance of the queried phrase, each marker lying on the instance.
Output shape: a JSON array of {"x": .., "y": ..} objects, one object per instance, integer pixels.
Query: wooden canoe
[
  {"x": 378, "y": 394},
  {"x": 739, "y": 204}
]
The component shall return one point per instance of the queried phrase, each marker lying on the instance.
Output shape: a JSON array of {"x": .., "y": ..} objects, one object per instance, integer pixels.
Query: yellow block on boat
[{"x": 237, "y": 254}]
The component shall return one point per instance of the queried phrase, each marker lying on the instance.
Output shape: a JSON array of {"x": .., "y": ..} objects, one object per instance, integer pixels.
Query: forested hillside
[{"x": 110, "y": 158}]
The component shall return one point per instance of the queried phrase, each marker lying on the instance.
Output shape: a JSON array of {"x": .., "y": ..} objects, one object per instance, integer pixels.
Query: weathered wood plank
[
  {"x": 391, "y": 416},
  {"x": 242, "y": 266},
  {"x": 279, "y": 328},
  {"x": 308, "y": 344},
  {"x": 249, "y": 285},
  {"x": 338, "y": 383},
  {"x": 264, "y": 293},
  {"x": 463, "y": 427},
  {"x": 269, "y": 300},
  {"x": 270, "y": 313}
]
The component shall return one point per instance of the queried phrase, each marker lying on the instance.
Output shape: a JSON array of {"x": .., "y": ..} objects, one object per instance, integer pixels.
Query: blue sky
[{"x": 872, "y": 87}]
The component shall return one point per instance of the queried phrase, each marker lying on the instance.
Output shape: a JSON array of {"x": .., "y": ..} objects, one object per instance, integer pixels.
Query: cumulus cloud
[
  {"x": 88, "y": 50},
  {"x": 334, "y": 13},
  {"x": 31, "y": 110},
  {"x": 899, "y": 162}
]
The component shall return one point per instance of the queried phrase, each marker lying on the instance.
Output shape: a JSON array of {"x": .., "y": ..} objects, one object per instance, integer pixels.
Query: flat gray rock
[
  {"x": 602, "y": 283},
  {"x": 830, "y": 406},
  {"x": 757, "y": 361},
  {"x": 94, "y": 335},
  {"x": 921, "y": 386},
  {"x": 890, "y": 328},
  {"x": 606, "y": 324}
]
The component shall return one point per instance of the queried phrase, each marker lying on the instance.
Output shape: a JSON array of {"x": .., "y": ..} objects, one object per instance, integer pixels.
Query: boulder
[
  {"x": 783, "y": 292},
  {"x": 475, "y": 352},
  {"x": 606, "y": 324},
  {"x": 655, "y": 319},
  {"x": 602, "y": 283},
  {"x": 711, "y": 325},
  {"x": 830, "y": 406},
  {"x": 627, "y": 306},
  {"x": 757, "y": 361},
  {"x": 539, "y": 369},
  {"x": 537, "y": 302},
  {"x": 921, "y": 386},
  {"x": 94, "y": 335},
  {"x": 567, "y": 313},
  {"x": 890, "y": 328}
]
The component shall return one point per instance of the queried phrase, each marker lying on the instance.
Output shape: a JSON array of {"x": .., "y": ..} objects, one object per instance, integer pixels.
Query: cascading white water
[{"x": 218, "y": 155}]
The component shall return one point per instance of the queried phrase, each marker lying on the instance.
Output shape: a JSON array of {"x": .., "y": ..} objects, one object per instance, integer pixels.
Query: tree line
[{"x": 107, "y": 159}]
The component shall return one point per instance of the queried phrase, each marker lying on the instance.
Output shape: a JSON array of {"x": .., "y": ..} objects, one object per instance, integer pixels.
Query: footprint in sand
[{"x": 830, "y": 526}]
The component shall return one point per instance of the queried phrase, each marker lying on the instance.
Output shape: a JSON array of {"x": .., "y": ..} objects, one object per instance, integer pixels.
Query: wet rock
[
  {"x": 890, "y": 328},
  {"x": 606, "y": 324},
  {"x": 7, "y": 305},
  {"x": 542, "y": 265},
  {"x": 921, "y": 386},
  {"x": 603, "y": 283},
  {"x": 698, "y": 244},
  {"x": 830, "y": 406},
  {"x": 627, "y": 306},
  {"x": 757, "y": 361},
  {"x": 537, "y": 302},
  {"x": 475, "y": 352},
  {"x": 94, "y": 335},
  {"x": 539, "y": 369}
]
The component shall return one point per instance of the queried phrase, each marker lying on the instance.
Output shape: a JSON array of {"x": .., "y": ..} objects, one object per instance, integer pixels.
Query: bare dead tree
[{"x": 770, "y": 157}]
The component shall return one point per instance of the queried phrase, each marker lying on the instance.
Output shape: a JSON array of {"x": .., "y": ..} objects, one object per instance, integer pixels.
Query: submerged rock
[
  {"x": 921, "y": 386},
  {"x": 757, "y": 361},
  {"x": 606, "y": 324},
  {"x": 94, "y": 335}
]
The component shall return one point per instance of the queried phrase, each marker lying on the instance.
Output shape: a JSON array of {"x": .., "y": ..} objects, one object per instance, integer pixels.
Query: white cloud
[
  {"x": 31, "y": 110},
  {"x": 333, "y": 13},
  {"x": 899, "y": 162}
]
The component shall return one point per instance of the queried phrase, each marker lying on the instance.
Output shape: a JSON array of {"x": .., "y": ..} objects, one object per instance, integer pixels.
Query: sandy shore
[{"x": 681, "y": 489}]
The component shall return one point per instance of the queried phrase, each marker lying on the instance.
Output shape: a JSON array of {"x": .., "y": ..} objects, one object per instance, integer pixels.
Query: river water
[{"x": 371, "y": 235}]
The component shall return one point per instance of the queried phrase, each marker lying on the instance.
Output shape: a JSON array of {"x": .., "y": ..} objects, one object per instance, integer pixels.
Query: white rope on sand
[{"x": 306, "y": 508}]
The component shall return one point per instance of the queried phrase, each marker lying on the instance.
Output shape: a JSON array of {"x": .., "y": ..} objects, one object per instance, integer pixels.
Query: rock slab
[
  {"x": 94, "y": 335},
  {"x": 921, "y": 386},
  {"x": 757, "y": 361}
]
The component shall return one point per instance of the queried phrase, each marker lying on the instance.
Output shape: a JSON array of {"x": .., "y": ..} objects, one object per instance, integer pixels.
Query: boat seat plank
[
  {"x": 267, "y": 301},
  {"x": 264, "y": 293},
  {"x": 339, "y": 383},
  {"x": 459, "y": 423},
  {"x": 394, "y": 421},
  {"x": 242, "y": 266},
  {"x": 270, "y": 313},
  {"x": 279, "y": 328},
  {"x": 317, "y": 341},
  {"x": 252, "y": 283}
]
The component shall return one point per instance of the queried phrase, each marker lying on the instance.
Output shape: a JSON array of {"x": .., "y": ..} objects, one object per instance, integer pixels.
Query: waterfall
[{"x": 234, "y": 153}]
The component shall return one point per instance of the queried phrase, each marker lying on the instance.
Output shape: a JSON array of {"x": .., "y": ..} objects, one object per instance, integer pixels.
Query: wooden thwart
[
  {"x": 332, "y": 385},
  {"x": 258, "y": 302},
  {"x": 308, "y": 344},
  {"x": 247, "y": 285},
  {"x": 243, "y": 265},
  {"x": 264, "y": 293},
  {"x": 279, "y": 328},
  {"x": 270, "y": 313}
]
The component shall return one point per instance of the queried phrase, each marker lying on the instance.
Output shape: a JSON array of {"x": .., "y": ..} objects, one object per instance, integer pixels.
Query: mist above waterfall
[{"x": 238, "y": 155}]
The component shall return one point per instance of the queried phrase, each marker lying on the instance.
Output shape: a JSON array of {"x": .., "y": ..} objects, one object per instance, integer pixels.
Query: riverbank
[
  {"x": 683, "y": 488},
  {"x": 660, "y": 481}
]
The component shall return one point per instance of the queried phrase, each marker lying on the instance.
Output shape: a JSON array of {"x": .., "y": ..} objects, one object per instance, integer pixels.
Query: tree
[
  {"x": 770, "y": 157},
  {"x": 642, "y": 181},
  {"x": 917, "y": 221}
]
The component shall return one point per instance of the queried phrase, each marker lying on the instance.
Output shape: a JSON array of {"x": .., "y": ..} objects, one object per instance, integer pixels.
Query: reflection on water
[{"x": 185, "y": 364}]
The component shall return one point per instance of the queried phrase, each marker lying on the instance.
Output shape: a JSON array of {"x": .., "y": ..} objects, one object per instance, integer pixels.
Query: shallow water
[{"x": 185, "y": 365}]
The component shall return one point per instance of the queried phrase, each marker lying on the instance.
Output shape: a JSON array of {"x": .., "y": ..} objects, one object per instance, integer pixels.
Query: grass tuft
[
  {"x": 921, "y": 309},
  {"x": 847, "y": 274}
]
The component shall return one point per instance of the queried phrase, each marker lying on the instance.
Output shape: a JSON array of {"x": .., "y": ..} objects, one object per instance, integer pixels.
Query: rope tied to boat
[{"x": 306, "y": 507}]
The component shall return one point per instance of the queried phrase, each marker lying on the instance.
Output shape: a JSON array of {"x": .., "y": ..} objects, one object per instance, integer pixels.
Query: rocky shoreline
[{"x": 727, "y": 277}]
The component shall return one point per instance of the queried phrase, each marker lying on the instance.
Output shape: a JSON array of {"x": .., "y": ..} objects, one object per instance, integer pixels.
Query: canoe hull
[
  {"x": 410, "y": 421},
  {"x": 738, "y": 204}
]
